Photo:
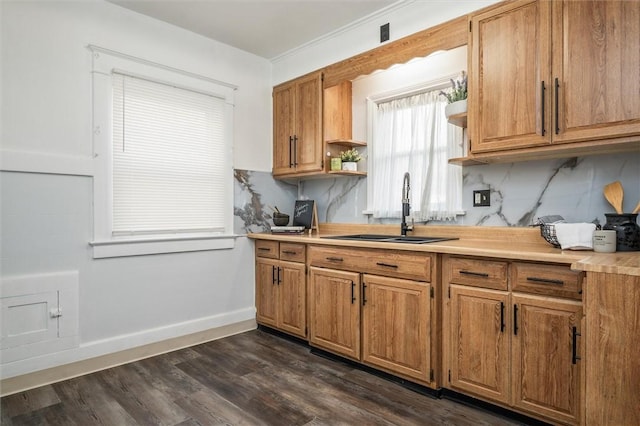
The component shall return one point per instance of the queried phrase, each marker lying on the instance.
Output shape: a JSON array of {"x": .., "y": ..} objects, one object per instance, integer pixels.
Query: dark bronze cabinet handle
[
  {"x": 279, "y": 277},
  {"x": 475, "y": 274},
  {"x": 364, "y": 297},
  {"x": 295, "y": 151},
  {"x": 264, "y": 249},
  {"x": 556, "y": 111},
  {"x": 545, "y": 281},
  {"x": 273, "y": 275},
  {"x": 288, "y": 252},
  {"x": 388, "y": 265},
  {"x": 335, "y": 259},
  {"x": 544, "y": 131},
  {"x": 515, "y": 320},
  {"x": 574, "y": 344},
  {"x": 353, "y": 292},
  {"x": 502, "y": 325},
  {"x": 290, "y": 149}
]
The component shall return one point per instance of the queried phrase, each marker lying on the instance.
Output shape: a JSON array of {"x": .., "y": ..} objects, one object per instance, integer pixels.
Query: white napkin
[{"x": 575, "y": 236}]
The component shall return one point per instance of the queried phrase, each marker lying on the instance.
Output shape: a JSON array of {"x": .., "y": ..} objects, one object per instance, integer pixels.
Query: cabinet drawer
[
  {"x": 293, "y": 252},
  {"x": 547, "y": 280},
  {"x": 478, "y": 272},
  {"x": 267, "y": 249},
  {"x": 392, "y": 263}
]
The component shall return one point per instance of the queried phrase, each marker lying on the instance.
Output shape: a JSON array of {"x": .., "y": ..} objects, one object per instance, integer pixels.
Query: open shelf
[
  {"x": 346, "y": 173},
  {"x": 459, "y": 120},
  {"x": 346, "y": 142}
]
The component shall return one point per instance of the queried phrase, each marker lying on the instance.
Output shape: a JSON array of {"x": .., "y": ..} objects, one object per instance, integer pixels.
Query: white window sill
[{"x": 122, "y": 247}]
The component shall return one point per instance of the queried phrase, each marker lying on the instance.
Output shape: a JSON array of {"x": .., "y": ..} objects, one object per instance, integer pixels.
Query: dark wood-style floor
[{"x": 254, "y": 378}]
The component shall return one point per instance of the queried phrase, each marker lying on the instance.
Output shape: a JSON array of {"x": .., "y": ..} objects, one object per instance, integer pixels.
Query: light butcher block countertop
[{"x": 498, "y": 242}]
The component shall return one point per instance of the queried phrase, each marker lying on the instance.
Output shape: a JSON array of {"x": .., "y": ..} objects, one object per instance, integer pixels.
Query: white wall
[
  {"x": 404, "y": 18},
  {"x": 47, "y": 219}
]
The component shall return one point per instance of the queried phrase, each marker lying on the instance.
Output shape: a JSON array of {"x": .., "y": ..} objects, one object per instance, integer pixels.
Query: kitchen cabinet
[
  {"x": 334, "y": 311},
  {"x": 544, "y": 361},
  {"x": 396, "y": 325},
  {"x": 281, "y": 286},
  {"x": 513, "y": 335},
  {"x": 550, "y": 73},
  {"x": 612, "y": 304},
  {"x": 375, "y": 306},
  {"x": 297, "y": 126}
]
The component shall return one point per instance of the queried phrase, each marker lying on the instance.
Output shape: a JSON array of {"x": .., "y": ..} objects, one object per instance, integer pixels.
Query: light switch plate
[{"x": 482, "y": 198}]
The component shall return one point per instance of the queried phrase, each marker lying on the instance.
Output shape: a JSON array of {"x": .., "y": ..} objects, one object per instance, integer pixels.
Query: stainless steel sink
[{"x": 390, "y": 238}]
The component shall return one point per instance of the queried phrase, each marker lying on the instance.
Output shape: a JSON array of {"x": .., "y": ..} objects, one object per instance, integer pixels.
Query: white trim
[
  {"x": 104, "y": 62},
  {"x": 97, "y": 50},
  {"x": 125, "y": 342},
  {"x": 138, "y": 247},
  {"x": 40, "y": 162},
  {"x": 349, "y": 27}
]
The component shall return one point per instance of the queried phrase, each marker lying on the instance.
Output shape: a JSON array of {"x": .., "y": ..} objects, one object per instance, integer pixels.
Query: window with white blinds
[{"x": 169, "y": 159}]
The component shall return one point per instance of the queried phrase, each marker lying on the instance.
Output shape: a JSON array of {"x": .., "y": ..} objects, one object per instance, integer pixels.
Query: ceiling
[{"x": 267, "y": 28}]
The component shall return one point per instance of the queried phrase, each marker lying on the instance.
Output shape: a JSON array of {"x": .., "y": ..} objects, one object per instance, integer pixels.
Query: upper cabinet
[
  {"x": 549, "y": 73},
  {"x": 308, "y": 122},
  {"x": 596, "y": 70},
  {"x": 297, "y": 126}
]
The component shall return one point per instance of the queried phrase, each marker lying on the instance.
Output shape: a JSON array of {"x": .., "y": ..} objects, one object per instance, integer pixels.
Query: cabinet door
[
  {"x": 308, "y": 144},
  {"x": 267, "y": 291},
  {"x": 395, "y": 325},
  {"x": 283, "y": 129},
  {"x": 546, "y": 377},
  {"x": 510, "y": 65},
  {"x": 334, "y": 311},
  {"x": 292, "y": 297},
  {"x": 480, "y": 342},
  {"x": 596, "y": 47}
]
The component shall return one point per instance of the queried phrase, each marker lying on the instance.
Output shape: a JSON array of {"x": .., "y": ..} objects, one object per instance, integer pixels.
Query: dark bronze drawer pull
[
  {"x": 289, "y": 252},
  {"x": 475, "y": 274},
  {"x": 545, "y": 281},
  {"x": 388, "y": 265},
  {"x": 335, "y": 259},
  {"x": 264, "y": 249}
]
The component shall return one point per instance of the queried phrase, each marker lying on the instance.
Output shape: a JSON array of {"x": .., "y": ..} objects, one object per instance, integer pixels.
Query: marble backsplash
[{"x": 520, "y": 192}]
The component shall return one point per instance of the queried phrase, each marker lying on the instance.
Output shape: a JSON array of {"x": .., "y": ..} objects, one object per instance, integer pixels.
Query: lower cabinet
[
  {"x": 334, "y": 311},
  {"x": 396, "y": 325},
  {"x": 281, "y": 287},
  {"x": 520, "y": 350},
  {"x": 379, "y": 320}
]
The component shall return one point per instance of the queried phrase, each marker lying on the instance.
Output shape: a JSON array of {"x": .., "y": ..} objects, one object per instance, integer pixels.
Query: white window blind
[{"x": 169, "y": 159}]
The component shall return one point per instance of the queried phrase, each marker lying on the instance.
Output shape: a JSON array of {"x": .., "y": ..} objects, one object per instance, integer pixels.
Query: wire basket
[{"x": 547, "y": 226}]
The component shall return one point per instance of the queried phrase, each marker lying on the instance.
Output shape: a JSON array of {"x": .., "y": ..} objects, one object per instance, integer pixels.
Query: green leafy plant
[
  {"x": 458, "y": 91},
  {"x": 350, "y": 155}
]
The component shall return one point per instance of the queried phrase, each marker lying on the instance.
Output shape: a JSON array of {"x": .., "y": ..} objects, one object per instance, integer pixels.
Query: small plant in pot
[
  {"x": 456, "y": 96},
  {"x": 350, "y": 159}
]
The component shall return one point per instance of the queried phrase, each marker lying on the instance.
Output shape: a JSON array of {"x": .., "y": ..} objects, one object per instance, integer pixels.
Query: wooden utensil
[
  {"x": 637, "y": 209},
  {"x": 614, "y": 194}
]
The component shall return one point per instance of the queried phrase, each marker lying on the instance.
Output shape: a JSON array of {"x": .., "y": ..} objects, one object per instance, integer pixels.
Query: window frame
[{"x": 104, "y": 243}]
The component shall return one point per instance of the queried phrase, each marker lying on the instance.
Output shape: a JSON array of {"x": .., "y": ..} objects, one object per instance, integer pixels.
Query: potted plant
[
  {"x": 457, "y": 96},
  {"x": 350, "y": 159}
]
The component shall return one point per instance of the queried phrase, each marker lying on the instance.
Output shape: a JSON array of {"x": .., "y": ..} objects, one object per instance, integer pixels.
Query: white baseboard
[{"x": 89, "y": 364}]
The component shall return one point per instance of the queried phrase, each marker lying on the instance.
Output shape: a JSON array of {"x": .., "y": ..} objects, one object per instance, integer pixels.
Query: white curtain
[{"x": 412, "y": 135}]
